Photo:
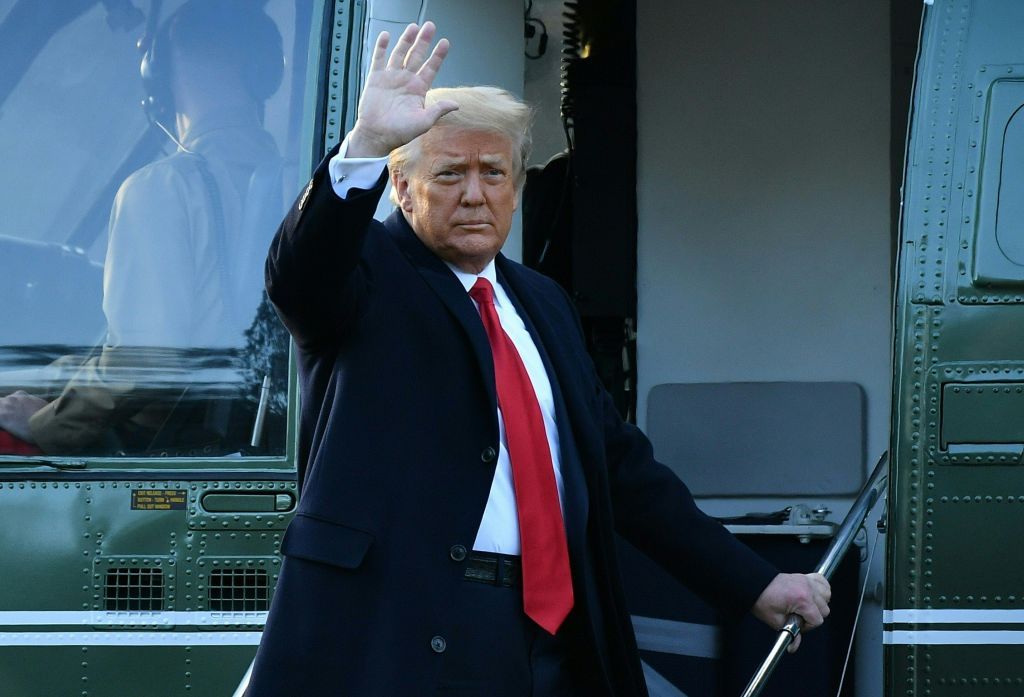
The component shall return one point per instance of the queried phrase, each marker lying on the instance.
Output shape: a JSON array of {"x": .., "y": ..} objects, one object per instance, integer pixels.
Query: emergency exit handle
[{"x": 244, "y": 502}]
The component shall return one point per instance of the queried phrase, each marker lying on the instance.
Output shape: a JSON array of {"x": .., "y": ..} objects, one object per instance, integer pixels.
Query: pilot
[{"x": 183, "y": 268}]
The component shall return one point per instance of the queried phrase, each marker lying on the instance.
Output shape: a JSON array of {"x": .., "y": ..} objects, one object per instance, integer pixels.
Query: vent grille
[
  {"x": 134, "y": 589},
  {"x": 239, "y": 590}
]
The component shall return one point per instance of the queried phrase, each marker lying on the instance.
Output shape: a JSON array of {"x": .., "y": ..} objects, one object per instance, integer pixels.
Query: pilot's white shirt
[{"x": 168, "y": 281}]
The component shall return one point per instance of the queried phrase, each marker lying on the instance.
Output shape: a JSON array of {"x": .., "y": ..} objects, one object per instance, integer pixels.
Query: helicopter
[{"x": 790, "y": 230}]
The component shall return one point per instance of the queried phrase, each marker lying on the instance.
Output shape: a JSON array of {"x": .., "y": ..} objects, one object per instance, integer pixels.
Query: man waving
[{"x": 464, "y": 472}]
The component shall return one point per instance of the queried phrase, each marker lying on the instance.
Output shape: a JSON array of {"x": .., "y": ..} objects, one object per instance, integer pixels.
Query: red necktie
[{"x": 547, "y": 583}]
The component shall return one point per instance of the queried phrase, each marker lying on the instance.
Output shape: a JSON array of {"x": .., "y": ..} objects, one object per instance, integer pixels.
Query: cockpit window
[{"x": 149, "y": 152}]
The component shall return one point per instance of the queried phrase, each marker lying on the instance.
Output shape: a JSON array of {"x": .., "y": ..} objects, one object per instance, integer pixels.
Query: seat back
[{"x": 761, "y": 438}]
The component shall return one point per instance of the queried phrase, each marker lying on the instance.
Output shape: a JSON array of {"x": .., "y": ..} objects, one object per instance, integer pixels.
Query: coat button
[
  {"x": 489, "y": 455},
  {"x": 438, "y": 644},
  {"x": 457, "y": 553}
]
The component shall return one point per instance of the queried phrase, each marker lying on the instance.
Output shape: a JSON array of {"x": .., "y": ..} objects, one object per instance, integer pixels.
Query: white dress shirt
[{"x": 499, "y": 525}]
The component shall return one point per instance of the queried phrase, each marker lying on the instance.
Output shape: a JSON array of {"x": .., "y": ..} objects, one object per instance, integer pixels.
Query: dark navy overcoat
[{"x": 397, "y": 451}]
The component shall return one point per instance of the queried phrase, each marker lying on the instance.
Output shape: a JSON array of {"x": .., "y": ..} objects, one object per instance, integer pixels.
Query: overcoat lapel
[
  {"x": 452, "y": 293},
  {"x": 540, "y": 322},
  {"x": 549, "y": 330}
]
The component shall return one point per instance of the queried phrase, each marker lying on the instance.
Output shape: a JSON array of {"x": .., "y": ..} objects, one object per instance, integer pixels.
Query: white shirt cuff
[{"x": 349, "y": 173}]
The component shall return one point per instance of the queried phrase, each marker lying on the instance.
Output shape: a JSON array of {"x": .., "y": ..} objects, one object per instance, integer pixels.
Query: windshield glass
[{"x": 150, "y": 150}]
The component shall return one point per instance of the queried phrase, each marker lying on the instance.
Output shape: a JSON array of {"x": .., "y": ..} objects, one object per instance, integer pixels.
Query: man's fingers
[
  {"x": 392, "y": 109},
  {"x": 795, "y": 644},
  {"x": 821, "y": 584},
  {"x": 822, "y": 602},
  {"x": 821, "y": 593},
  {"x": 813, "y": 607},
  {"x": 397, "y": 58},
  {"x": 811, "y": 615},
  {"x": 420, "y": 48},
  {"x": 380, "y": 48},
  {"x": 429, "y": 68}
]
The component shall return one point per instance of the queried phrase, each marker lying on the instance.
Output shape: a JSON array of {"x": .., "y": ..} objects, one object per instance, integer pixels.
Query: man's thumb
[{"x": 439, "y": 109}]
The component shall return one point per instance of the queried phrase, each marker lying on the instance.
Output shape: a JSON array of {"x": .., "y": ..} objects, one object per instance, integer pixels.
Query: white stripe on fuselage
[
  {"x": 961, "y": 637},
  {"x": 130, "y": 638},
  {"x": 42, "y": 618},
  {"x": 952, "y": 616}
]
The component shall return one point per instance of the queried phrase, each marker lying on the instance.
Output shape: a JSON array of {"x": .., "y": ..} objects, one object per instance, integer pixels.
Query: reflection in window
[
  {"x": 1010, "y": 212},
  {"x": 133, "y": 244}
]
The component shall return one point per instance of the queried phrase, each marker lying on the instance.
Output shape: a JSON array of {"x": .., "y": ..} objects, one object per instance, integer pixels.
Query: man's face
[{"x": 460, "y": 195}]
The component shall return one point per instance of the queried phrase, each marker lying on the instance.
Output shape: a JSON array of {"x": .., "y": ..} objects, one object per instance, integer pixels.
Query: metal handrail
[{"x": 836, "y": 550}]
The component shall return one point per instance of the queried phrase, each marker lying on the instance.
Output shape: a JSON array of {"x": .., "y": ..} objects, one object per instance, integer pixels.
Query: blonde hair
[{"x": 481, "y": 108}]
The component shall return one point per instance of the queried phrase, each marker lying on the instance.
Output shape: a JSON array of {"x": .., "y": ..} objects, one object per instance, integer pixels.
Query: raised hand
[{"x": 392, "y": 110}]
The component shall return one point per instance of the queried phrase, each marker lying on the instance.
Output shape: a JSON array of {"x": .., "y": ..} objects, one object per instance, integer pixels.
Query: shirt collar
[
  {"x": 229, "y": 135},
  {"x": 218, "y": 120},
  {"x": 468, "y": 279}
]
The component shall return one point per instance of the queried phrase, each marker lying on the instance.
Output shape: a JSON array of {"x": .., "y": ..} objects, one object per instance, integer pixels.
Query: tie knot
[{"x": 482, "y": 291}]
